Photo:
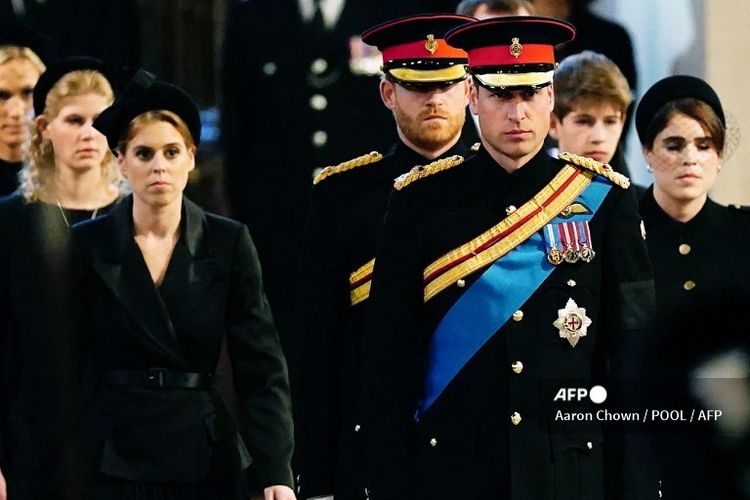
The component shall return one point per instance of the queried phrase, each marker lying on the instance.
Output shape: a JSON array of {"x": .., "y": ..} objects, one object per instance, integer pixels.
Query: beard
[{"x": 431, "y": 135}]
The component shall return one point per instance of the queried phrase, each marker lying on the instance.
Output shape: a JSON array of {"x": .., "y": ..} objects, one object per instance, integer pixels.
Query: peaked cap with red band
[
  {"x": 514, "y": 51},
  {"x": 415, "y": 51}
]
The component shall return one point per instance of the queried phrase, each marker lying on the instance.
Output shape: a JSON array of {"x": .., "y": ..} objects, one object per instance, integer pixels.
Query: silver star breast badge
[{"x": 572, "y": 322}]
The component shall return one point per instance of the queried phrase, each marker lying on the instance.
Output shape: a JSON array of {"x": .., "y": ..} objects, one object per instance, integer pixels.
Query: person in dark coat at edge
[
  {"x": 425, "y": 86},
  {"x": 23, "y": 53},
  {"x": 699, "y": 253},
  {"x": 296, "y": 96},
  {"x": 69, "y": 176},
  {"x": 499, "y": 280},
  {"x": 165, "y": 283}
]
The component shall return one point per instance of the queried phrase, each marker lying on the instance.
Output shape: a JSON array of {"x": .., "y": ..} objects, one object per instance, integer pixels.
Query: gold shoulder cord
[
  {"x": 600, "y": 168},
  {"x": 348, "y": 165},
  {"x": 420, "y": 172}
]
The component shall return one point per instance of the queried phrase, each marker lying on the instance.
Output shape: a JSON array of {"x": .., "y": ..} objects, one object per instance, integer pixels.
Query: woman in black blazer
[
  {"x": 166, "y": 284},
  {"x": 69, "y": 176}
]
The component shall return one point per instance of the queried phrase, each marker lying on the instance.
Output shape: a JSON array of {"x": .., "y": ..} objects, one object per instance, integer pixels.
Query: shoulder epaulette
[
  {"x": 420, "y": 172},
  {"x": 600, "y": 168},
  {"x": 475, "y": 147},
  {"x": 348, "y": 165}
]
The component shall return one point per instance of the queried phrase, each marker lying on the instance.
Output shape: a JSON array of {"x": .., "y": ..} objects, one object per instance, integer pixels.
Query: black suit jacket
[
  {"x": 465, "y": 445},
  {"x": 212, "y": 289}
]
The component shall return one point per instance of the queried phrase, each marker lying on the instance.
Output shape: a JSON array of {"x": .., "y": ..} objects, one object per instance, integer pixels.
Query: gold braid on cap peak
[
  {"x": 600, "y": 168},
  {"x": 359, "y": 161},
  {"x": 420, "y": 172}
]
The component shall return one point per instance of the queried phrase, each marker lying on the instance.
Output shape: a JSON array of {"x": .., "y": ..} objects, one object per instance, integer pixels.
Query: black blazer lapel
[
  {"x": 120, "y": 265},
  {"x": 194, "y": 279}
]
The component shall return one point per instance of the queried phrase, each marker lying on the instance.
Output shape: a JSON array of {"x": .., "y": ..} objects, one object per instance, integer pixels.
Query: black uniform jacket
[
  {"x": 341, "y": 236},
  {"x": 292, "y": 103},
  {"x": 703, "y": 297},
  {"x": 42, "y": 358},
  {"x": 465, "y": 445},
  {"x": 211, "y": 290}
]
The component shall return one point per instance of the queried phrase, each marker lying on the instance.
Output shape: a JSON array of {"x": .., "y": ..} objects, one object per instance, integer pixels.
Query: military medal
[
  {"x": 572, "y": 322},
  {"x": 587, "y": 252},
  {"x": 569, "y": 240},
  {"x": 554, "y": 256}
]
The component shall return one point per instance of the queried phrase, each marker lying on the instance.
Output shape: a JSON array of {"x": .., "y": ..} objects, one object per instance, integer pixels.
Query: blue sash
[{"x": 486, "y": 306}]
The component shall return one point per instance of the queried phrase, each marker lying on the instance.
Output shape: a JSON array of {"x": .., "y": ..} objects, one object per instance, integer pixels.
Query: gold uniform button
[
  {"x": 689, "y": 285},
  {"x": 357, "y": 428},
  {"x": 319, "y": 138},
  {"x": 318, "y": 102},
  {"x": 319, "y": 66},
  {"x": 460, "y": 283},
  {"x": 571, "y": 283},
  {"x": 269, "y": 69},
  {"x": 517, "y": 367},
  {"x": 433, "y": 442},
  {"x": 518, "y": 315},
  {"x": 510, "y": 209},
  {"x": 515, "y": 418},
  {"x": 684, "y": 249}
]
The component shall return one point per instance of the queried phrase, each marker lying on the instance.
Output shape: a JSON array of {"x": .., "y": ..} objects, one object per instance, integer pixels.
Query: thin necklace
[{"x": 65, "y": 218}]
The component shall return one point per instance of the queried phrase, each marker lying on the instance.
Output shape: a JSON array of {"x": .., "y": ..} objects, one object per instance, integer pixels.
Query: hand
[
  {"x": 276, "y": 492},
  {"x": 3, "y": 488}
]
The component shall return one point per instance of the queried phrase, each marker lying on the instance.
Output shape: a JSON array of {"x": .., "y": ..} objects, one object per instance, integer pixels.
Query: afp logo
[{"x": 597, "y": 394}]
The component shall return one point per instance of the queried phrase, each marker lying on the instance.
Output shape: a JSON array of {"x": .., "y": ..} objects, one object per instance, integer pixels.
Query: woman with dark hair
[
  {"x": 698, "y": 250},
  {"x": 69, "y": 176},
  {"x": 166, "y": 284}
]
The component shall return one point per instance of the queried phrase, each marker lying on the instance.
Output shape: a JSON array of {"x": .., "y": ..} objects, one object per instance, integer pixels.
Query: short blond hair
[
  {"x": 39, "y": 167},
  {"x": 10, "y": 52}
]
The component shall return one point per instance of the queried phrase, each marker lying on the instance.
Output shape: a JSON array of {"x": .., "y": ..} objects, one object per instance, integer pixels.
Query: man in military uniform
[
  {"x": 425, "y": 86},
  {"x": 499, "y": 280},
  {"x": 297, "y": 96}
]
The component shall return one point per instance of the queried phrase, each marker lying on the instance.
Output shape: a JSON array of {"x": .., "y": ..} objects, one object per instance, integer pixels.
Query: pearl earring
[{"x": 650, "y": 169}]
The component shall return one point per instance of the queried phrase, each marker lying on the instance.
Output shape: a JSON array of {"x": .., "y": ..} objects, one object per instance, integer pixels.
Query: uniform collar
[
  {"x": 412, "y": 158},
  {"x": 531, "y": 177}
]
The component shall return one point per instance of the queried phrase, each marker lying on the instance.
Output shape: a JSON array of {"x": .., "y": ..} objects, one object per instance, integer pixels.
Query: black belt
[{"x": 159, "y": 378}]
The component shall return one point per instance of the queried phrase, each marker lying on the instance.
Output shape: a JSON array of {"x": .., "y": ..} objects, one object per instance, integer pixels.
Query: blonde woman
[
  {"x": 20, "y": 67},
  {"x": 166, "y": 284},
  {"x": 69, "y": 176}
]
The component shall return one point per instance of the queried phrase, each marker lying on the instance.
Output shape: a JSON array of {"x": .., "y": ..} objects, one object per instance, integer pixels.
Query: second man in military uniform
[{"x": 425, "y": 86}]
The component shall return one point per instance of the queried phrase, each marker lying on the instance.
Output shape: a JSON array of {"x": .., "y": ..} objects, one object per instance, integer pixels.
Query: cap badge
[
  {"x": 572, "y": 322},
  {"x": 431, "y": 44},
  {"x": 515, "y": 48}
]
